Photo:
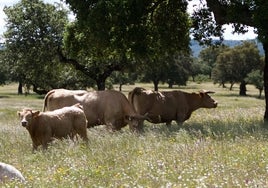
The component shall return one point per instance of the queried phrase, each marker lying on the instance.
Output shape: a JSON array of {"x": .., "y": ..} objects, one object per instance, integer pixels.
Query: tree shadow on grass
[
  {"x": 215, "y": 130},
  {"x": 4, "y": 97}
]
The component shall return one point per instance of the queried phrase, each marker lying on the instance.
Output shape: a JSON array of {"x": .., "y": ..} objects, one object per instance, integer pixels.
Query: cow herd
[{"x": 68, "y": 113}]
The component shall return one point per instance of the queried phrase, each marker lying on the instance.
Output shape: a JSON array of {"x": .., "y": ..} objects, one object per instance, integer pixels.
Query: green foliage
[
  {"x": 256, "y": 78},
  {"x": 197, "y": 67},
  {"x": 4, "y": 76},
  {"x": 121, "y": 78},
  {"x": 34, "y": 32},
  {"x": 115, "y": 35},
  {"x": 204, "y": 27},
  {"x": 201, "y": 78},
  {"x": 234, "y": 64},
  {"x": 260, "y": 18},
  {"x": 208, "y": 57},
  {"x": 171, "y": 70}
]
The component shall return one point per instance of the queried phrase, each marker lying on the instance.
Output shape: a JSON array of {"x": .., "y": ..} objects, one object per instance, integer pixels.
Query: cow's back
[
  {"x": 159, "y": 106},
  {"x": 59, "y": 98},
  {"x": 60, "y": 123}
]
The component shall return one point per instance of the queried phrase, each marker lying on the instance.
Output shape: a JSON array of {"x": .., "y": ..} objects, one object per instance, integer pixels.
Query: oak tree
[
  {"x": 114, "y": 35},
  {"x": 208, "y": 21},
  {"x": 34, "y": 32}
]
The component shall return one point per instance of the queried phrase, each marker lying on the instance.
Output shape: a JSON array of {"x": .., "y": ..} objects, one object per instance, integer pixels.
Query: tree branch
[
  {"x": 234, "y": 12},
  {"x": 72, "y": 62}
]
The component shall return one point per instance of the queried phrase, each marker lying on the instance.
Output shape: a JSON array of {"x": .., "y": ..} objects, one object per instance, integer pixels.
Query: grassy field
[{"x": 222, "y": 147}]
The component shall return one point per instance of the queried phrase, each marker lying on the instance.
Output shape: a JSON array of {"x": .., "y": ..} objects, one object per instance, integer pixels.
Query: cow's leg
[
  {"x": 34, "y": 147},
  {"x": 80, "y": 128},
  {"x": 83, "y": 134},
  {"x": 45, "y": 145},
  {"x": 46, "y": 139},
  {"x": 179, "y": 123},
  {"x": 111, "y": 126},
  {"x": 73, "y": 135},
  {"x": 180, "y": 119}
]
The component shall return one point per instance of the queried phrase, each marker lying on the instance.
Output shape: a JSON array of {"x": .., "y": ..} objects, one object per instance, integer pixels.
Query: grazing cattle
[
  {"x": 108, "y": 107},
  {"x": 61, "y": 123},
  {"x": 9, "y": 172},
  {"x": 166, "y": 106}
]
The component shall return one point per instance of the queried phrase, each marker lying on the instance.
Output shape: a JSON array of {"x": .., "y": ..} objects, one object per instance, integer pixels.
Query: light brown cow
[
  {"x": 61, "y": 123},
  {"x": 166, "y": 106},
  {"x": 107, "y": 107},
  {"x": 53, "y": 98}
]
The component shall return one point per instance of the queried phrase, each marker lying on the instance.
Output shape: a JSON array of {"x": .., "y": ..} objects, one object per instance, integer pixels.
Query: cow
[
  {"x": 163, "y": 107},
  {"x": 108, "y": 107},
  {"x": 61, "y": 123},
  {"x": 53, "y": 98},
  {"x": 9, "y": 172}
]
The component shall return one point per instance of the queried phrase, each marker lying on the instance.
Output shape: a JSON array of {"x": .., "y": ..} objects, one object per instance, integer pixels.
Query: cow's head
[
  {"x": 206, "y": 100},
  {"x": 26, "y": 117},
  {"x": 135, "y": 122}
]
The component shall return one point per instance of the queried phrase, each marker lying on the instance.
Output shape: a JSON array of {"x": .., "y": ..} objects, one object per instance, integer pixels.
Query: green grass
[{"x": 222, "y": 147}]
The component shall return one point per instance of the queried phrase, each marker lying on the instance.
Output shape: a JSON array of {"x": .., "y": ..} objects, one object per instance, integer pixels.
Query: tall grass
[{"x": 222, "y": 147}]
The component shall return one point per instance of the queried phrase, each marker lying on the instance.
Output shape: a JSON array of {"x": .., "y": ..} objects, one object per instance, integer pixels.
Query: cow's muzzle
[{"x": 24, "y": 123}]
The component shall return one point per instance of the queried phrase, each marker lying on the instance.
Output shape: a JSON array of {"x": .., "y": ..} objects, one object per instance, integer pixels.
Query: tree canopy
[
  {"x": 34, "y": 32},
  {"x": 234, "y": 64},
  {"x": 239, "y": 13},
  {"x": 116, "y": 35}
]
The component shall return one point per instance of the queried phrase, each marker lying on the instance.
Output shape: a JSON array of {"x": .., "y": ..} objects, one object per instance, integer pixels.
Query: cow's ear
[
  {"x": 206, "y": 91},
  {"x": 36, "y": 113},
  {"x": 201, "y": 94}
]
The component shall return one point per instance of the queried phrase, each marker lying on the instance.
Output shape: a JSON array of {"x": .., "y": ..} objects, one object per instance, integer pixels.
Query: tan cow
[
  {"x": 108, "y": 107},
  {"x": 54, "y": 102},
  {"x": 61, "y": 123},
  {"x": 166, "y": 106}
]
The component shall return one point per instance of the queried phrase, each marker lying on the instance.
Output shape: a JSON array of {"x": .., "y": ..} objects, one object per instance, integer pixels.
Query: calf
[{"x": 61, "y": 123}]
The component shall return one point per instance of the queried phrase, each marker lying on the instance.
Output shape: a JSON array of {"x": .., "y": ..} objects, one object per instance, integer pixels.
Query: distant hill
[{"x": 196, "y": 48}]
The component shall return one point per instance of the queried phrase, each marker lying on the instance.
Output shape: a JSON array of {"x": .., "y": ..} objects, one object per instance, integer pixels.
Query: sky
[{"x": 227, "y": 35}]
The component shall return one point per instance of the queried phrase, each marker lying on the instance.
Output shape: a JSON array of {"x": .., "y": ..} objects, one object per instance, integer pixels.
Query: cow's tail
[
  {"x": 46, "y": 98},
  {"x": 135, "y": 91}
]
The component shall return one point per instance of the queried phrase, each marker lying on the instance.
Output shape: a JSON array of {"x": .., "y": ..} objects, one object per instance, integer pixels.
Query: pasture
[{"x": 222, "y": 147}]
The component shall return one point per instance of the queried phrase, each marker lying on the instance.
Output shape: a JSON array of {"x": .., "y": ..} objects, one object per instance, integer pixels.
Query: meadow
[{"x": 222, "y": 147}]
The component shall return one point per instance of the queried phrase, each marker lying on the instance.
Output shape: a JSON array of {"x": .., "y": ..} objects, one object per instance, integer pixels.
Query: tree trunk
[
  {"x": 231, "y": 86},
  {"x": 156, "y": 82},
  {"x": 170, "y": 85},
  {"x": 243, "y": 89},
  {"x": 20, "y": 89},
  {"x": 260, "y": 92},
  {"x": 101, "y": 84},
  {"x": 265, "y": 79}
]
